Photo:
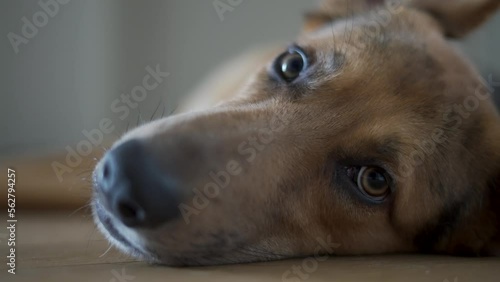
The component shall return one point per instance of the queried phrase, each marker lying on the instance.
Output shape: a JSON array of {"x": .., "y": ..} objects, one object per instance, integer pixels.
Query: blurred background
[{"x": 86, "y": 54}]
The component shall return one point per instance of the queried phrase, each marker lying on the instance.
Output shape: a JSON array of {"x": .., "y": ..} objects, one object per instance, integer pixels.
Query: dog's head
[{"x": 370, "y": 134}]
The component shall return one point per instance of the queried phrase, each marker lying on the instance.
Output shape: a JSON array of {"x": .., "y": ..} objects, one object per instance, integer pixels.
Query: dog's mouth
[
  {"x": 109, "y": 227},
  {"x": 117, "y": 234}
]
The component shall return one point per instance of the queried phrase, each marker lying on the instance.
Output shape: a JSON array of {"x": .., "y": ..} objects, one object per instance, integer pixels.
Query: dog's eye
[
  {"x": 291, "y": 64},
  {"x": 373, "y": 182}
]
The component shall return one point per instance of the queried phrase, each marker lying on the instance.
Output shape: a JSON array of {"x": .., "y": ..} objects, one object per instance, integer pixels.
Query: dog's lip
[{"x": 107, "y": 222}]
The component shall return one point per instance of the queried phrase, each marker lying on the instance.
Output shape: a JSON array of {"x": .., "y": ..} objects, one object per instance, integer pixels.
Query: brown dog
[{"x": 370, "y": 134}]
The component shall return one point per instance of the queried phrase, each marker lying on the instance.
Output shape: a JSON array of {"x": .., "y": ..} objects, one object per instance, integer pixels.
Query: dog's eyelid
[
  {"x": 353, "y": 161},
  {"x": 307, "y": 51},
  {"x": 293, "y": 46}
]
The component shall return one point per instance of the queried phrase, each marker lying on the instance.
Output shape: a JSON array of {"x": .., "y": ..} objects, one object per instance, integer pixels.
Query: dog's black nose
[{"x": 134, "y": 187}]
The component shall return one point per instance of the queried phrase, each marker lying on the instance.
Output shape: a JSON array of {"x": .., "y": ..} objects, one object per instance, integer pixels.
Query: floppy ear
[
  {"x": 458, "y": 17},
  {"x": 330, "y": 10}
]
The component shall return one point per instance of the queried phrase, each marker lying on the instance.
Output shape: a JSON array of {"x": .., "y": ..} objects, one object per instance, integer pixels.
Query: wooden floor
[{"x": 60, "y": 246}]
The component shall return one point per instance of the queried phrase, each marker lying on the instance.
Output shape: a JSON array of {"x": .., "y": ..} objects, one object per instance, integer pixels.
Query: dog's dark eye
[
  {"x": 291, "y": 64},
  {"x": 373, "y": 181}
]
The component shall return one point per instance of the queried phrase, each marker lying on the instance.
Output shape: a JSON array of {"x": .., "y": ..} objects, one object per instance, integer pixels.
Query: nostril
[
  {"x": 105, "y": 171},
  {"x": 127, "y": 210},
  {"x": 130, "y": 212}
]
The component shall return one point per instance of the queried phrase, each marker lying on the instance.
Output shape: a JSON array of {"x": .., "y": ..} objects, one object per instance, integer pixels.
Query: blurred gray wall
[{"x": 65, "y": 78}]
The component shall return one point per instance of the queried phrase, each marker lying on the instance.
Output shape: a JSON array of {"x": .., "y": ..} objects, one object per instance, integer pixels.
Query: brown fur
[{"x": 368, "y": 99}]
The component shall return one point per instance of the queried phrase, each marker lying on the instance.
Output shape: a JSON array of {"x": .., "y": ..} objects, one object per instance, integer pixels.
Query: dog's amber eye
[
  {"x": 373, "y": 181},
  {"x": 291, "y": 64}
]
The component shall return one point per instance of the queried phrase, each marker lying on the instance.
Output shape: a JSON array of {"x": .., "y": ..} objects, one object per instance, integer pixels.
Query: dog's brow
[
  {"x": 380, "y": 149},
  {"x": 389, "y": 147}
]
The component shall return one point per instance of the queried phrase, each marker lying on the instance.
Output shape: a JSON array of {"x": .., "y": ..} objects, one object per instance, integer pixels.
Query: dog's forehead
[
  {"x": 379, "y": 32},
  {"x": 351, "y": 28},
  {"x": 359, "y": 36},
  {"x": 402, "y": 55}
]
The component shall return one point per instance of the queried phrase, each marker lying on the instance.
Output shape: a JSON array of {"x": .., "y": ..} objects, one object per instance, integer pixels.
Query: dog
[{"x": 371, "y": 134}]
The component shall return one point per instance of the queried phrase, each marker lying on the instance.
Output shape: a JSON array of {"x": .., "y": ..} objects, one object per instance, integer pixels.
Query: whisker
[
  {"x": 163, "y": 111},
  {"x": 349, "y": 39},
  {"x": 79, "y": 209},
  {"x": 173, "y": 111},
  {"x": 128, "y": 125},
  {"x": 137, "y": 122},
  {"x": 90, "y": 238},
  {"x": 110, "y": 246},
  {"x": 156, "y": 110},
  {"x": 140, "y": 118}
]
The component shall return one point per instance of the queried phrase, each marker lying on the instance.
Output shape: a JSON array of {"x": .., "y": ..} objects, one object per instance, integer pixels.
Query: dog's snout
[{"x": 134, "y": 187}]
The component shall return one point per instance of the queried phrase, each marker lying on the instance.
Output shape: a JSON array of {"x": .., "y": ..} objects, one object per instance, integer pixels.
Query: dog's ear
[
  {"x": 330, "y": 10},
  {"x": 458, "y": 17}
]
